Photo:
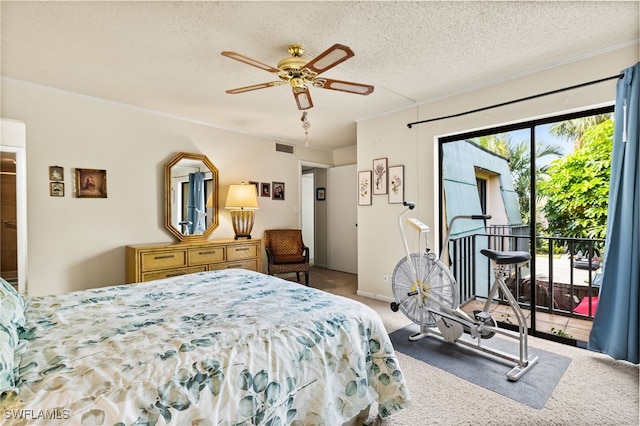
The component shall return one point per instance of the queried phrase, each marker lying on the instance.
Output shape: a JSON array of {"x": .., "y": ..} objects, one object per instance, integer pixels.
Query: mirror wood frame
[{"x": 167, "y": 196}]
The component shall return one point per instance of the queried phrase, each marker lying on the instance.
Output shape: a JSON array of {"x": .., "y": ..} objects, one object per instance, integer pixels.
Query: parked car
[{"x": 582, "y": 262}]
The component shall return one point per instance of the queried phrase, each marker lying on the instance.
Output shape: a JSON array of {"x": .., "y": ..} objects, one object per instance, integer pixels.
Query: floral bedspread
[{"x": 230, "y": 347}]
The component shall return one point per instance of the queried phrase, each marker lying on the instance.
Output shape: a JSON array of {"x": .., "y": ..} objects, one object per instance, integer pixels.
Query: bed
[{"x": 232, "y": 347}]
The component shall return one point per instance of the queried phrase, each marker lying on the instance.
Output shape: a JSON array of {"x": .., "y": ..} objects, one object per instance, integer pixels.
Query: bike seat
[{"x": 506, "y": 257}]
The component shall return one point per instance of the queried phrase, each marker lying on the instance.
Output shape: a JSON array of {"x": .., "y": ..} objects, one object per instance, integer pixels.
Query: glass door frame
[{"x": 531, "y": 125}]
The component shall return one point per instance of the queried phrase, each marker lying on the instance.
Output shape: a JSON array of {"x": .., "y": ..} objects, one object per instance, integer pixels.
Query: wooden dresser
[{"x": 146, "y": 262}]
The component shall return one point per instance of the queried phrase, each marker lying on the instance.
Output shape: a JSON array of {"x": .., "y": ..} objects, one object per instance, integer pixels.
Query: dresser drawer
[
  {"x": 251, "y": 264},
  {"x": 150, "y": 276},
  {"x": 147, "y": 262},
  {"x": 203, "y": 255},
  {"x": 163, "y": 260},
  {"x": 239, "y": 252}
]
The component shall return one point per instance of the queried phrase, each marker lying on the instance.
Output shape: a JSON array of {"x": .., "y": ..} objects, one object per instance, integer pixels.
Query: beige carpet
[{"x": 595, "y": 390}]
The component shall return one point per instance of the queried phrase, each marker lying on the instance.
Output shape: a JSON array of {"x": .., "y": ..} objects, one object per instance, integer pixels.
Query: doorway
[
  {"x": 8, "y": 219},
  {"x": 313, "y": 212},
  {"x": 13, "y": 194},
  {"x": 334, "y": 214},
  {"x": 342, "y": 214}
]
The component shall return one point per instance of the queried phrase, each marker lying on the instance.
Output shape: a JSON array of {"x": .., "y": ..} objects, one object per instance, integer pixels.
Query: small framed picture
[
  {"x": 364, "y": 188},
  {"x": 278, "y": 190},
  {"x": 321, "y": 194},
  {"x": 265, "y": 189},
  {"x": 56, "y": 189},
  {"x": 396, "y": 184},
  {"x": 380, "y": 176},
  {"x": 91, "y": 183},
  {"x": 257, "y": 185},
  {"x": 56, "y": 173}
]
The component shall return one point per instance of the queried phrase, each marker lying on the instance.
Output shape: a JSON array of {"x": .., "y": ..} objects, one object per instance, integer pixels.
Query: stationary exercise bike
[{"x": 426, "y": 292}]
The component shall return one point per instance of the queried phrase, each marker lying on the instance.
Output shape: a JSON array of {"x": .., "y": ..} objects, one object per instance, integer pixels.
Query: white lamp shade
[{"x": 242, "y": 196}]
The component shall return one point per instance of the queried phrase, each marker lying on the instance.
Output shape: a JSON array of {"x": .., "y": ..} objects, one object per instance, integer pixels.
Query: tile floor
[{"x": 574, "y": 328}]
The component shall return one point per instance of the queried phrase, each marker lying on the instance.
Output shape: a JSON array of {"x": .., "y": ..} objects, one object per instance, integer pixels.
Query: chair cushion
[
  {"x": 283, "y": 268},
  {"x": 284, "y": 241},
  {"x": 288, "y": 258}
]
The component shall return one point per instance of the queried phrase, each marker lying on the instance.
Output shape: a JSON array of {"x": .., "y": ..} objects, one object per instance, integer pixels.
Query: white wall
[
  {"x": 416, "y": 148},
  {"x": 78, "y": 243},
  {"x": 345, "y": 156}
]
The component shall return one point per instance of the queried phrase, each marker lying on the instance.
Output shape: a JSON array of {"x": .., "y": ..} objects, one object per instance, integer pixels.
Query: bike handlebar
[{"x": 409, "y": 204}]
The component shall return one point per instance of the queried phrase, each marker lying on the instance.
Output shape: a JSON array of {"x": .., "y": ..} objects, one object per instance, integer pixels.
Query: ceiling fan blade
[
  {"x": 303, "y": 99},
  {"x": 329, "y": 58},
  {"x": 254, "y": 87},
  {"x": 344, "y": 86},
  {"x": 249, "y": 61}
]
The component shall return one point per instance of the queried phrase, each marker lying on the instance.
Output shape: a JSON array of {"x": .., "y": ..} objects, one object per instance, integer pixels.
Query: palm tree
[
  {"x": 520, "y": 165},
  {"x": 497, "y": 143},
  {"x": 572, "y": 130}
]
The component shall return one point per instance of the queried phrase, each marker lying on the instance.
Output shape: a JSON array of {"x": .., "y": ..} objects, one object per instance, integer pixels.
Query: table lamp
[{"x": 242, "y": 200}]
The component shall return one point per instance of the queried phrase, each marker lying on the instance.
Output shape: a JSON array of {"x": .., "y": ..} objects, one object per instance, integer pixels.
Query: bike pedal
[{"x": 483, "y": 316}]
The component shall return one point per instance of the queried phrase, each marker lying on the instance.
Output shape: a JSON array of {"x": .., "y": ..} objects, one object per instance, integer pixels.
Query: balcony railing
[{"x": 564, "y": 283}]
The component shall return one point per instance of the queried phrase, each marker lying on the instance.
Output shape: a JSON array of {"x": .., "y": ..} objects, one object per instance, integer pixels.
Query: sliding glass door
[{"x": 545, "y": 184}]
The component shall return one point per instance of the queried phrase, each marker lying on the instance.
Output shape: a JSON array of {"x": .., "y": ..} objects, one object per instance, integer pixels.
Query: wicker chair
[{"x": 286, "y": 252}]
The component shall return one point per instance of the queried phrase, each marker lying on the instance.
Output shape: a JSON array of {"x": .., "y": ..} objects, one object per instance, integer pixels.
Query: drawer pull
[
  {"x": 166, "y": 256},
  {"x": 239, "y": 265},
  {"x": 207, "y": 252},
  {"x": 175, "y": 274},
  {"x": 242, "y": 249}
]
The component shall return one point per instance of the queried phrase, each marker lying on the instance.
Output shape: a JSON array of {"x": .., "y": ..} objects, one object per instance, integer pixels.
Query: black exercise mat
[{"x": 533, "y": 389}]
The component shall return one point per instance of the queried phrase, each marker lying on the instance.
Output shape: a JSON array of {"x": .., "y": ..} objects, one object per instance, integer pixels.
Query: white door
[
  {"x": 307, "y": 217},
  {"x": 342, "y": 205}
]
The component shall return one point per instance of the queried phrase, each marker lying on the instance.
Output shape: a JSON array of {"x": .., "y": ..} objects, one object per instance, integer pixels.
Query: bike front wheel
[{"x": 432, "y": 278}]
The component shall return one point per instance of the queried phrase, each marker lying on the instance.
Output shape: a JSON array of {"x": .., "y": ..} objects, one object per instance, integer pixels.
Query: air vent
[{"x": 281, "y": 147}]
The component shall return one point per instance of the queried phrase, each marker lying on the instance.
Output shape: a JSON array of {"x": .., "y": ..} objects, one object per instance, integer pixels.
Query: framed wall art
[
  {"x": 56, "y": 173},
  {"x": 364, "y": 188},
  {"x": 380, "y": 176},
  {"x": 278, "y": 190},
  {"x": 91, "y": 183},
  {"x": 257, "y": 185},
  {"x": 321, "y": 194},
  {"x": 56, "y": 189},
  {"x": 396, "y": 184},
  {"x": 265, "y": 189}
]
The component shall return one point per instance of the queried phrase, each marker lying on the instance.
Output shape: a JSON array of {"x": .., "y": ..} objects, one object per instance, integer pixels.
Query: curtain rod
[{"x": 553, "y": 92}]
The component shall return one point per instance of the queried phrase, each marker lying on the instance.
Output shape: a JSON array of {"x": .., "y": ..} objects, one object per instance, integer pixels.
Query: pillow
[
  {"x": 8, "y": 343},
  {"x": 11, "y": 305}
]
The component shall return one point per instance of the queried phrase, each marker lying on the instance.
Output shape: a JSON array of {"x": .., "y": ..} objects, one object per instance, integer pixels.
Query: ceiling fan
[{"x": 299, "y": 72}]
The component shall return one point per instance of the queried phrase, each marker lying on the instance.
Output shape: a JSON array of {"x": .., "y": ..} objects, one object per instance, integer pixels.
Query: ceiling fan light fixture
[
  {"x": 292, "y": 64},
  {"x": 297, "y": 84},
  {"x": 300, "y": 72}
]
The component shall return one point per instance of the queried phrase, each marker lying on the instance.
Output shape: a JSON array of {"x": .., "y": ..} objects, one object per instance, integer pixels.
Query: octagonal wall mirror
[{"x": 191, "y": 196}]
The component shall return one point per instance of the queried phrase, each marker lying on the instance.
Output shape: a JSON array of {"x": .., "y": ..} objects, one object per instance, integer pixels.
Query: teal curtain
[
  {"x": 615, "y": 330},
  {"x": 195, "y": 203}
]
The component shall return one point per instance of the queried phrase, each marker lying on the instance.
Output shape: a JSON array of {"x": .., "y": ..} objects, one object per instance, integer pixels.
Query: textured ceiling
[{"x": 165, "y": 56}]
